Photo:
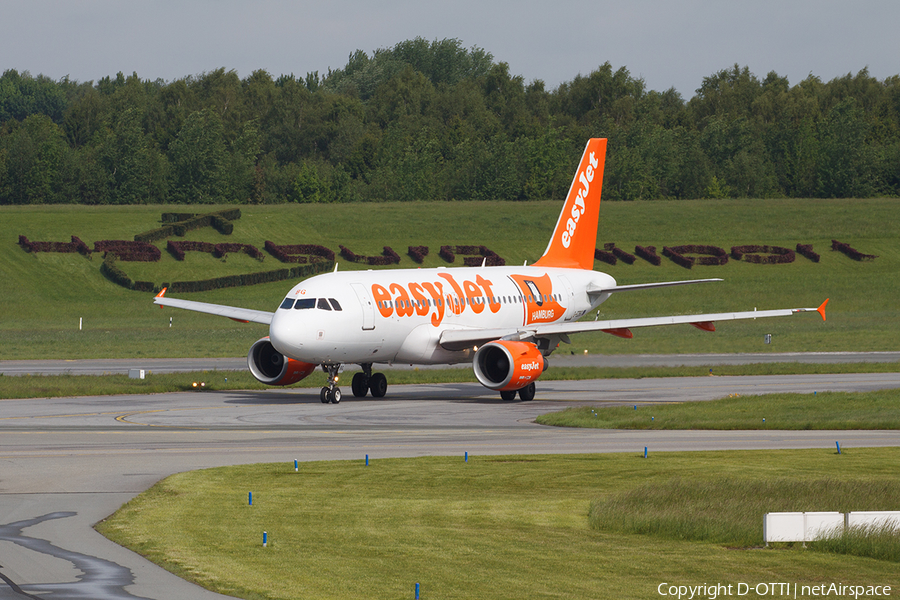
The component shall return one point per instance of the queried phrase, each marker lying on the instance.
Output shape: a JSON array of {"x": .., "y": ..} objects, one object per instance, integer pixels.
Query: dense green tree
[
  {"x": 411, "y": 164},
  {"x": 34, "y": 154},
  {"x": 84, "y": 117},
  {"x": 167, "y": 115},
  {"x": 602, "y": 95},
  {"x": 845, "y": 166},
  {"x": 22, "y": 95},
  {"x": 433, "y": 120},
  {"x": 728, "y": 93},
  {"x": 199, "y": 174},
  {"x": 85, "y": 180},
  {"x": 307, "y": 185},
  {"x": 136, "y": 172}
]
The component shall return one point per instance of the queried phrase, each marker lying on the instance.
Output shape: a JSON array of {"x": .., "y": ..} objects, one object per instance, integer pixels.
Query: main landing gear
[
  {"x": 361, "y": 384},
  {"x": 525, "y": 394},
  {"x": 366, "y": 381}
]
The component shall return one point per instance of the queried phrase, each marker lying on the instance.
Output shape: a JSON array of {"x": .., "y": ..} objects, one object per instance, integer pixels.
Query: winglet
[
  {"x": 161, "y": 295},
  {"x": 821, "y": 309}
]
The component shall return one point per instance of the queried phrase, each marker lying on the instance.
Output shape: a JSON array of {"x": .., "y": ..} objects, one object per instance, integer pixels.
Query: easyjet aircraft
[{"x": 505, "y": 320}]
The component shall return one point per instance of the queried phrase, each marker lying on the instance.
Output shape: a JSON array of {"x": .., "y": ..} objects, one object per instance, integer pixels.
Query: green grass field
[
  {"x": 512, "y": 527},
  {"x": 44, "y": 295},
  {"x": 826, "y": 410}
]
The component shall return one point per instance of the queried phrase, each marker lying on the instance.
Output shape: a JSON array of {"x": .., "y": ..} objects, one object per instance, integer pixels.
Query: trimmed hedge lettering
[
  {"x": 388, "y": 257},
  {"x": 477, "y": 255},
  {"x": 713, "y": 255},
  {"x": 850, "y": 251},
  {"x": 418, "y": 253},
  {"x": 764, "y": 255},
  {"x": 298, "y": 253},
  {"x": 649, "y": 254},
  {"x": 807, "y": 251}
]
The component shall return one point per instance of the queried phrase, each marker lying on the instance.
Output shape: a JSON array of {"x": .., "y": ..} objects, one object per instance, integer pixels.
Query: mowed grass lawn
[
  {"x": 827, "y": 410},
  {"x": 506, "y": 527},
  {"x": 46, "y": 294}
]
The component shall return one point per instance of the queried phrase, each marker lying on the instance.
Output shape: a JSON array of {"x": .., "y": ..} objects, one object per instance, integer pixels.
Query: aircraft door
[
  {"x": 568, "y": 298},
  {"x": 368, "y": 307}
]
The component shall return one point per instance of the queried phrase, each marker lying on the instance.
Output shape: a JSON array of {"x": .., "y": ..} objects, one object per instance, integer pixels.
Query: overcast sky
[{"x": 673, "y": 43}]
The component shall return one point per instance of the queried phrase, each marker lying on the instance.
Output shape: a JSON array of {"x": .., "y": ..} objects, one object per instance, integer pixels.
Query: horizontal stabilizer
[{"x": 596, "y": 290}]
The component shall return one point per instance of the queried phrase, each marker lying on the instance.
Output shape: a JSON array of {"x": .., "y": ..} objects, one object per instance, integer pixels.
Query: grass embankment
[
  {"x": 726, "y": 510},
  {"x": 504, "y": 527},
  {"x": 826, "y": 410},
  {"x": 45, "y": 294},
  {"x": 54, "y": 386}
]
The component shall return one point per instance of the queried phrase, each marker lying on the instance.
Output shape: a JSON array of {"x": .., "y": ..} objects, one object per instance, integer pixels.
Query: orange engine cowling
[
  {"x": 508, "y": 366},
  {"x": 271, "y": 367}
]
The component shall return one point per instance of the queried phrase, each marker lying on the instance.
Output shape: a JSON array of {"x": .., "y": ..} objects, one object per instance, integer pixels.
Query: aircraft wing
[
  {"x": 244, "y": 315},
  {"x": 458, "y": 339}
]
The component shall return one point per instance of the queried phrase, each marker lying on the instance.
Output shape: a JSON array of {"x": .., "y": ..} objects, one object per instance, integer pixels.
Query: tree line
[{"x": 436, "y": 121}]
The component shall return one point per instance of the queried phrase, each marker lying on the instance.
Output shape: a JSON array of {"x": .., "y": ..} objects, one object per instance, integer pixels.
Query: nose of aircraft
[{"x": 285, "y": 331}]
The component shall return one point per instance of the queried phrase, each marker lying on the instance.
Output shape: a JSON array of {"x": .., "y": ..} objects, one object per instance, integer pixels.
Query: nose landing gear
[{"x": 332, "y": 393}]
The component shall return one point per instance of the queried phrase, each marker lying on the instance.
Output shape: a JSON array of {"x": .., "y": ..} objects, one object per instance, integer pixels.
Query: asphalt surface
[{"x": 67, "y": 463}]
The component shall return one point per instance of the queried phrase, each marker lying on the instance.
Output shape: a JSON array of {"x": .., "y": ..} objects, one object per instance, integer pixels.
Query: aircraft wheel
[
  {"x": 527, "y": 393},
  {"x": 323, "y": 395},
  {"x": 508, "y": 395},
  {"x": 335, "y": 396},
  {"x": 378, "y": 385},
  {"x": 360, "y": 385}
]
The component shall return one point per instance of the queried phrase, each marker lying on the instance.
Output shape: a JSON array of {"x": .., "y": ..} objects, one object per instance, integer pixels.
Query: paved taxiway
[{"x": 67, "y": 463}]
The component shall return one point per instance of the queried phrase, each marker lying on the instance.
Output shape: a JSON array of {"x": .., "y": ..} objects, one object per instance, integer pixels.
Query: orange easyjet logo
[
  {"x": 436, "y": 298},
  {"x": 429, "y": 297},
  {"x": 585, "y": 177}
]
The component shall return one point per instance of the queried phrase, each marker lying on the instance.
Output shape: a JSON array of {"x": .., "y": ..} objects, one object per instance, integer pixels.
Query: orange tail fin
[{"x": 575, "y": 237}]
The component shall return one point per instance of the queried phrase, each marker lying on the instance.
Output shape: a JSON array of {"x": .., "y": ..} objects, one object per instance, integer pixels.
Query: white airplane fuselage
[{"x": 398, "y": 316}]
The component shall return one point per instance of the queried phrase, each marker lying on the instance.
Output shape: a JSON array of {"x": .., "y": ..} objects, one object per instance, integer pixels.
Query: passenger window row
[{"x": 476, "y": 300}]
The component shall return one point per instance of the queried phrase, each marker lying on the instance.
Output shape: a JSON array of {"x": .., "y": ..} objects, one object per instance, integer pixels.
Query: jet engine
[
  {"x": 271, "y": 367},
  {"x": 508, "y": 366}
]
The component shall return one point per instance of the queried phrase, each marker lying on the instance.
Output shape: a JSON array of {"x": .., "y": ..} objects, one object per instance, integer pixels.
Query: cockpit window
[
  {"x": 334, "y": 304},
  {"x": 288, "y": 303},
  {"x": 305, "y": 303},
  {"x": 323, "y": 304}
]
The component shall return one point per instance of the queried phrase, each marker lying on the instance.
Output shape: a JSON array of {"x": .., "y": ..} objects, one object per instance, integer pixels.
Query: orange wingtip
[
  {"x": 162, "y": 293},
  {"x": 821, "y": 309}
]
